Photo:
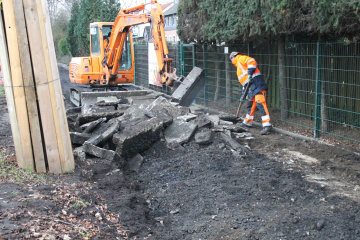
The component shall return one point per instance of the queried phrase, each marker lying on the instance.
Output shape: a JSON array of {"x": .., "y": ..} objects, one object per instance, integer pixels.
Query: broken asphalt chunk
[
  {"x": 137, "y": 138},
  {"x": 188, "y": 117},
  {"x": 135, "y": 163},
  {"x": 228, "y": 117},
  {"x": 163, "y": 103},
  {"x": 235, "y": 128},
  {"x": 79, "y": 138},
  {"x": 102, "y": 153},
  {"x": 233, "y": 143},
  {"x": 93, "y": 125},
  {"x": 85, "y": 118},
  {"x": 202, "y": 121},
  {"x": 103, "y": 137},
  {"x": 180, "y": 132},
  {"x": 204, "y": 137}
]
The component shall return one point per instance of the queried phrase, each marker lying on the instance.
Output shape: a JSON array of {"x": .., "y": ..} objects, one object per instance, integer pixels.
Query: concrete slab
[
  {"x": 204, "y": 137},
  {"x": 190, "y": 87},
  {"x": 134, "y": 139},
  {"x": 180, "y": 132}
]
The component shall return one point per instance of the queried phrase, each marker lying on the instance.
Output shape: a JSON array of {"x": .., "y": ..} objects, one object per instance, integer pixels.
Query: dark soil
[{"x": 286, "y": 188}]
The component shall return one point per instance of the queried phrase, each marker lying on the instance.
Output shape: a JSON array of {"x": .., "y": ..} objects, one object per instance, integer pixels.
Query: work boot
[{"x": 266, "y": 130}]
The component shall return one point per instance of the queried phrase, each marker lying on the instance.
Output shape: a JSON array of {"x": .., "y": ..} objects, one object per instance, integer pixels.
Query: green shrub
[{"x": 62, "y": 47}]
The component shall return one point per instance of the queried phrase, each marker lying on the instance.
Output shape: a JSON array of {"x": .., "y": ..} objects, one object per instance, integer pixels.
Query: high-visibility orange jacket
[{"x": 247, "y": 66}]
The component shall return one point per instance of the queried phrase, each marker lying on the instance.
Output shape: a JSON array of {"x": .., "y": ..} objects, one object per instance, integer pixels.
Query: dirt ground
[{"x": 286, "y": 188}]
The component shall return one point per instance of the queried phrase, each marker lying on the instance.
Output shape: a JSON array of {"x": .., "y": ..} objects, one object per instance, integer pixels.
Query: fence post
[
  {"x": 193, "y": 57},
  {"x": 204, "y": 66},
  {"x": 317, "y": 122},
  {"x": 179, "y": 57}
]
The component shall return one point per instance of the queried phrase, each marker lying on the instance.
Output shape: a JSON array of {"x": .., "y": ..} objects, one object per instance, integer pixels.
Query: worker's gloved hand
[
  {"x": 242, "y": 94},
  {"x": 250, "y": 79}
]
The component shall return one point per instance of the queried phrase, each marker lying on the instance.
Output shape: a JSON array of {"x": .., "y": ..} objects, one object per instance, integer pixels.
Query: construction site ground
[{"x": 284, "y": 188}]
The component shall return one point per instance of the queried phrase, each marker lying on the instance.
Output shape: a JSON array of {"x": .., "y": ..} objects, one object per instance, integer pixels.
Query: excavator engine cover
[{"x": 190, "y": 87}]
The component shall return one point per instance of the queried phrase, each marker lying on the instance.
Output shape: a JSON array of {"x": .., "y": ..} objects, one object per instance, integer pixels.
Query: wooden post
[
  {"x": 61, "y": 126},
  {"x": 42, "y": 86},
  {"x": 28, "y": 79},
  {"x": 5, "y": 66},
  {"x": 27, "y": 160}
]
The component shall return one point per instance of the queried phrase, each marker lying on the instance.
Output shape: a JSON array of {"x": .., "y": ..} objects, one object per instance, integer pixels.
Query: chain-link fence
[{"x": 314, "y": 88}]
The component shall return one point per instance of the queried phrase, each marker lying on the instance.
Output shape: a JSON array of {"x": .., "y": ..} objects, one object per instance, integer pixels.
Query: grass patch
[
  {"x": 11, "y": 173},
  {"x": 2, "y": 90},
  {"x": 79, "y": 204}
]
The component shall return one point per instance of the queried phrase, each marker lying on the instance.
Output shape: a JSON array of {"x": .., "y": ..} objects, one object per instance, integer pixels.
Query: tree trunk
[
  {"x": 228, "y": 81},
  {"x": 218, "y": 83},
  {"x": 218, "y": 76},
  {"x": 282, "y": 80}
]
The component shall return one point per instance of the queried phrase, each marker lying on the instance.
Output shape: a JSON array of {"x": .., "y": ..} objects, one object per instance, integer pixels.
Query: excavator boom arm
[{"x": 124, "y": 21}]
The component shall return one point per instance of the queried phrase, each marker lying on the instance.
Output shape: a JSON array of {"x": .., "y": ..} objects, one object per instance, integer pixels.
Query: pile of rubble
[{"x": 120, "y": 129}]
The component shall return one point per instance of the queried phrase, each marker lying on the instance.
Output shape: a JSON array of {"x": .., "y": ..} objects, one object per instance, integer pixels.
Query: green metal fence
[{"x": 319, "y": 97}]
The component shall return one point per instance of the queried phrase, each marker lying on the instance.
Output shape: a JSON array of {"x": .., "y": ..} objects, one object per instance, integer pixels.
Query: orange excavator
[{"x": 111, "y": 61}]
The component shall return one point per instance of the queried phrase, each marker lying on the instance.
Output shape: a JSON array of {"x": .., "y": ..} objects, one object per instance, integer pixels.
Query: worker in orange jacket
[{"x": 248, "y": 73}]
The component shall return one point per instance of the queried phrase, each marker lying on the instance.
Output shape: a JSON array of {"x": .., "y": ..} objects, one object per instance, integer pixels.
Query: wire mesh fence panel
[
  {"x": 141, "y": 65},
  {"x": 321, "y": 88}
]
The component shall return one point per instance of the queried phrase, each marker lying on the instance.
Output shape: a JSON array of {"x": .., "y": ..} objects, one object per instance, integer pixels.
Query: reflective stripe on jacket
[{"x": 246, "y": 66}]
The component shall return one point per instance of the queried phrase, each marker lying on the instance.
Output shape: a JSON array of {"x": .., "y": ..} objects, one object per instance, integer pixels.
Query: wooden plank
[
  {"x": 42, "y": 86},
  {"x": 27, "y": 160},
  {"x": 28, "y": 80},
  {"x": 62, "y": 129},
  {"x": 5, "y": 66}
]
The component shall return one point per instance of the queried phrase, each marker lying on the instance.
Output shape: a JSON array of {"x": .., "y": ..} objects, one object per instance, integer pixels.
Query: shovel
[{"x": 242, "y": 99}]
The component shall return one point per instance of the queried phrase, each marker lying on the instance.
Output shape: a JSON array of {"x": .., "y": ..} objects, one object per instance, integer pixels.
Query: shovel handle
[{"x": 242, "y": 99}]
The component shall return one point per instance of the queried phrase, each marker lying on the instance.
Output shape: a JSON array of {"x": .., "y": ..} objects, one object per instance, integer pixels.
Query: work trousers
[{"x": 257, "y": 102}]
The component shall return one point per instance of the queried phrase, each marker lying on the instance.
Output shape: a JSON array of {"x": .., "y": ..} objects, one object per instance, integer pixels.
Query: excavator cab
[{"x": 90, "y": 70}]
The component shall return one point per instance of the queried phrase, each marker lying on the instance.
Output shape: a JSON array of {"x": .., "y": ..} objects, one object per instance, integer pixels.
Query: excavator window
[
  {"x": 95, "y": 40},
  {"x": 106, "y": 31},
  {"x": 125, "y": 60}
]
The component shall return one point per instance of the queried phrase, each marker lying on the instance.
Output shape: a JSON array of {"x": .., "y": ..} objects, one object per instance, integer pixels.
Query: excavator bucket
[{"x": 190, "y": 87}]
